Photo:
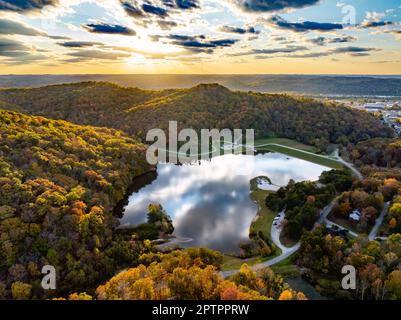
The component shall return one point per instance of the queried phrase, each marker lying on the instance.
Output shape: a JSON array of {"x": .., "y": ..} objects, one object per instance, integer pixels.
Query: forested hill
[
  {"x": 329, "y": 85},
  {"x": 205, "y": 106},
  {"x": 58, "y": 185}
]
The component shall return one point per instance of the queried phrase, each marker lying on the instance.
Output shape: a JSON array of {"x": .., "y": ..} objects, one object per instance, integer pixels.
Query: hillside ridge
[{"x": 135, "y": 111}]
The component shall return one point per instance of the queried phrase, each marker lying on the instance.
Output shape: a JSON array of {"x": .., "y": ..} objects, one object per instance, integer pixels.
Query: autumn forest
[{"x": 69, "y": 155}]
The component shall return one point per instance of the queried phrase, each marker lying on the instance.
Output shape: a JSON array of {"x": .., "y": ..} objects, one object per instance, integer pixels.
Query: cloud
[
  {"x": 59, "y": 37},
  {"x": 166, "y": 25},
  {"x": 279, "y": 22},
  {"x": 109, "y": 28},
  {"x": 288, "y": 49},
  {"x": 355, "y": 51},
  {"x": 395, "y": 33},
  {"x": 352, "y": 51},
  {"x": 9, "y": 27},
  {"x": 322, "y": 41},
  {"x": 239, "y": 30},
  {"x": 374, "y": 16},
  {"x": 16, "y": 52},
  {"x": 99, "y": 54},
  {"x": 161, "y": 8},
  {"x": 166, "y": 14},
  {"x": 196, "y": 42},
  {"x": 79, "y": 44},
  {"x": 25, "y": 5},
  {"x": 200, "y": 43},
  {"x": 98, "y": 50},
  {"x": 10, "y": 47},
  {"x": 375, "y": 20},
  {"x": 272, "y": 5},
  {"x": 131, "y": 9},
  {"x": 291, "y": 52},
  {"x": 159, "y": 11},
  {"x": 187, "y": 4},
  {"x": 376, "y": 24}
]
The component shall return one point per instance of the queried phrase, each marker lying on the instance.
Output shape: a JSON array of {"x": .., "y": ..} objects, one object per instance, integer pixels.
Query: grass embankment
[
  {"x": 303, "y": 152},
  {"x": 288, "y": 242},
  {"x": 265, "y": 216},
  {"x": 288, "y": 143},
  {"x": 286, "y": 268},
  {"x": 262, "y": 223},
  {"x": 234, "y": 263},
  {"x": 346, "y": 223}
]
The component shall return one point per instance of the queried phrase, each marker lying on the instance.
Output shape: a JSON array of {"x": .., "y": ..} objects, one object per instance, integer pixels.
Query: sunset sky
[{"x": 200, "y": 36}]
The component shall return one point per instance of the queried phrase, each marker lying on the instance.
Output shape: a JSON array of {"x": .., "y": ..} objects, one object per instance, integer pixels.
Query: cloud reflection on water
[{"x": 209, "y": 202}]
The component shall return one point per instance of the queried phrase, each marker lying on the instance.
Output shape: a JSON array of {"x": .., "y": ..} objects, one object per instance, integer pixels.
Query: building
[
  {"x": 355, "y": 215},
  {"x": 374, "y": 107}
]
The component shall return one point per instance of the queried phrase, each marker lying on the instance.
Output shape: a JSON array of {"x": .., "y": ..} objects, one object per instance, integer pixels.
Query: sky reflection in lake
[{"x": 209, "y": 202}]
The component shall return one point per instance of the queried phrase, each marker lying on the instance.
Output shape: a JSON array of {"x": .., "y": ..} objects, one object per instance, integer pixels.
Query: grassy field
[
  {"x": 286, "y": 268},
  {"x": 345, "y": 223},
  {"x": 287, "y": 242},
  {"x": 265, "y": 215},
  {"x": 234, "y": 263},
  {"x": 300, "y": 153},
  {"x": 288, "y": 143}
]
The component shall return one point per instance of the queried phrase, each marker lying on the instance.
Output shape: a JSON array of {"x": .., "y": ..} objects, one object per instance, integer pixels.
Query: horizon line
[{"x": 201, "y": 74}]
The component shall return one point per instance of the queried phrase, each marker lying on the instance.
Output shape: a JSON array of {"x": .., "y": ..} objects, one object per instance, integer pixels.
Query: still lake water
[{"x": 209, "y": 201}]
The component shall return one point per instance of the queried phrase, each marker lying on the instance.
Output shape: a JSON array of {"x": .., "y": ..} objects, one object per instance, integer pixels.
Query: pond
[
  {"x": 299, "y": 284},
  {"x": 209, "y": 201}
]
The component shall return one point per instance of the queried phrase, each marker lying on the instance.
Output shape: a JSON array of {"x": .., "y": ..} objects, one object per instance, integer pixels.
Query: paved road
[
  {"x": 379, "y": 221},
  {"x": 331, "y": 223},
  {"x": 286, "y": 252},
  {"x": 351, "y": 167},
  {"x": 373, "y": 232},
  {"x": 325, "y": 212},
  {"x": 275, "y": 236}
]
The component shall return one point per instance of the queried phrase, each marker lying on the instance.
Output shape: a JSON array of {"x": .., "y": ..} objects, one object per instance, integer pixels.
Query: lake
[{"x": 209, "y": 201}]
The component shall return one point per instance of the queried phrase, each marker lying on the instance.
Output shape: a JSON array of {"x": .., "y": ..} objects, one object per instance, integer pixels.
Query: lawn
[
  {"x": 288, "y": 143},
  {"x": 287, "y": 241},
  {"x": 234, "y": 263},
  {"x": 286, "y": 268},
  {"x": 265, "y": 215},
  {"x": 346, "y": 223}
]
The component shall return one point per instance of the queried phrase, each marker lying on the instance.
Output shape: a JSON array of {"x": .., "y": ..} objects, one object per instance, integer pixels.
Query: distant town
[{"x": 389, "y": 110}]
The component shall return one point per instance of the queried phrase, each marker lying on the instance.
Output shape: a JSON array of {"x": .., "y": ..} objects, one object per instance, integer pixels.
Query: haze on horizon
[{"x": 200, "y": 37}]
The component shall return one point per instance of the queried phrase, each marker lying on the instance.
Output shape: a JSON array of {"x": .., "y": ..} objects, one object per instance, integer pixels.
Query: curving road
[
  {"x": 373, "y": 233},
  {"x": 276, "y": 230},
  {"x": 351, "y": 167},
  {"x": 378, "y": 223},
  {"x": 275, "y": 236}
]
